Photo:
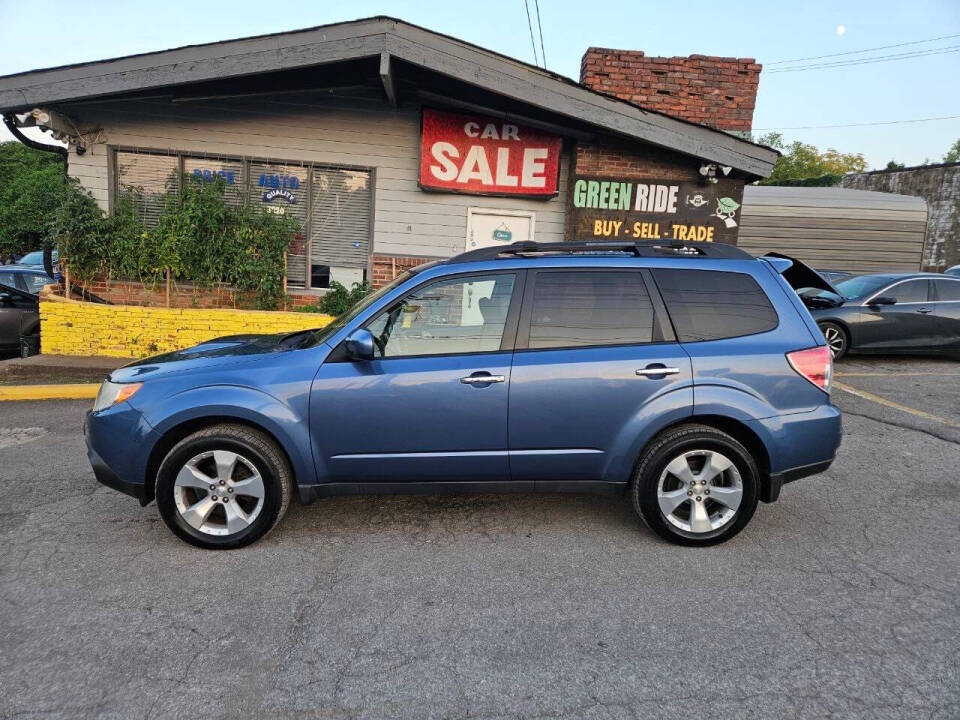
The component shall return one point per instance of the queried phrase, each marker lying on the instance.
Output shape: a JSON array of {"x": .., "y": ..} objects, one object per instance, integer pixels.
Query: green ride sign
[{"x": 618, "y": 209}]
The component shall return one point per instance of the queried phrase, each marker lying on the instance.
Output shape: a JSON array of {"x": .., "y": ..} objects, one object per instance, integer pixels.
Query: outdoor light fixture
[{"x": 708, "y": 174}]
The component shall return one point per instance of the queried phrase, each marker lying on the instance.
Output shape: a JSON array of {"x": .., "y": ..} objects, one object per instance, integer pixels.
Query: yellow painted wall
[{"x": 69, "y": 327}]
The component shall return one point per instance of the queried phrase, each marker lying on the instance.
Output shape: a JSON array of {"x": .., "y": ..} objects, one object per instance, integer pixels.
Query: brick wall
[
  {"x": 387, "y": 267},
  {"x": 123, "y": 292},
  {"x": 69, "y": 327},
  {"x": 619, "y": 160},
  {"x": 719, "y": 92}
]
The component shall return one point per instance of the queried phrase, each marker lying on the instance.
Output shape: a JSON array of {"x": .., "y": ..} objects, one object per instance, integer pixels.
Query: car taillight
[{"x": 815, "y": 364}]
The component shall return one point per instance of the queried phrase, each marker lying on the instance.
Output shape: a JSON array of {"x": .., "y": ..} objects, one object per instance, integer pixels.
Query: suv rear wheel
[
  {"x": 224, "y": 487},
  {"x": 696, "y": 486}
]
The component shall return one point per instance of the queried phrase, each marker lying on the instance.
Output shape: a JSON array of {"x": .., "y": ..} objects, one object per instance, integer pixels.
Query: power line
[
  {"x": 858, "y": 52},
  {"x": 870, "y": 61},
  {"x": 526, "y": 6},
  {"x": 543, "y": 52},
  {"x": 881, "y": 122}
]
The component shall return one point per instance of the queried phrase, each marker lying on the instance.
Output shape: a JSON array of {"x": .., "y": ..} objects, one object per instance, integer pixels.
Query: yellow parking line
[
  {"x": 896, "y": 406},
  {"x": 896, "y": 374},
  {"x": 66, "y": 391}
]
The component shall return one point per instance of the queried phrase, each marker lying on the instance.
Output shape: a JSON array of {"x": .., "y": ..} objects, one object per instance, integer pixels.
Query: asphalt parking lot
[{"x": 840, "y": 600}]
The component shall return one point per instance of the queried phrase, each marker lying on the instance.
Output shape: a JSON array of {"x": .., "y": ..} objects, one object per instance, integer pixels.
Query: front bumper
[{"x": 116, "y": 440}]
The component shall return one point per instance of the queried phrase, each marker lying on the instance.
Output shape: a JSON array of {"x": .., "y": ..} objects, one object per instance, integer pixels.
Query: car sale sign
[{"x": 480, "y": 155}]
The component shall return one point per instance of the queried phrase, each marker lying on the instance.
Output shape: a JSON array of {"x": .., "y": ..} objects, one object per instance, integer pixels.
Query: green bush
[
  {"x": 338, "y": 299},
  {"x": 199, "y": 238},
  {"x": 31, "y": 189}
]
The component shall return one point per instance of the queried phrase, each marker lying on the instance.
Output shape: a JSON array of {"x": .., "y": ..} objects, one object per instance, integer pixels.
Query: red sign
[{"x": 480, "y": 155}]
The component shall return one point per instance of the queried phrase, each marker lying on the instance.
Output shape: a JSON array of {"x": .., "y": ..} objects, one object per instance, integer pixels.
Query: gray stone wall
[{"x": 939, "y": 185}]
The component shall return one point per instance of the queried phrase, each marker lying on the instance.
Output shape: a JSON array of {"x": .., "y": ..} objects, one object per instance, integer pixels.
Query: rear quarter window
[{"x": 713, "y": 305}]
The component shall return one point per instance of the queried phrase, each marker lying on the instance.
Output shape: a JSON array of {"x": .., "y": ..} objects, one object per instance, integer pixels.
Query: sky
[{"x": 772, "y": 31}]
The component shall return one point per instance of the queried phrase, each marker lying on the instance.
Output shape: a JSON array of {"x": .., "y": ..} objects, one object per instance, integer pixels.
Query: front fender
[{"x": 241, "y": 403}]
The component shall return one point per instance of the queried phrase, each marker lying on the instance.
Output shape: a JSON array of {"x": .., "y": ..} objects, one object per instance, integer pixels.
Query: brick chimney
[{"x": 720, "y": 92}]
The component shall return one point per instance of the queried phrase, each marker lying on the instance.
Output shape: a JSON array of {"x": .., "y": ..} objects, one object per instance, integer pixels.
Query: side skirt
[{"x": 309, "y": 493}]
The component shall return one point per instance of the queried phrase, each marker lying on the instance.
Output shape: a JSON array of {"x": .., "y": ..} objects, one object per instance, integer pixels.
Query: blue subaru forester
[{"x": 690, "y": 378}]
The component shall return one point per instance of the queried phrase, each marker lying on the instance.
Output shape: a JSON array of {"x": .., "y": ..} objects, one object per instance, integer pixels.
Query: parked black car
[
  {"x": 26, "y": 278},
  {"x": 903, "y": 312},
  {"x": 19, "y": 322}
]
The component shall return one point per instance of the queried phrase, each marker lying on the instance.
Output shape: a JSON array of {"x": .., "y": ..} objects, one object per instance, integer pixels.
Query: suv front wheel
[
  {"x": 224, "y": 487},
  {"x": 696, "y": 486}
]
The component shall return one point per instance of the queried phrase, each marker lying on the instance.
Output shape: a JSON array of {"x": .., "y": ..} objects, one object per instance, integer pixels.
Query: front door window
[{"x": 449, "y": 317}]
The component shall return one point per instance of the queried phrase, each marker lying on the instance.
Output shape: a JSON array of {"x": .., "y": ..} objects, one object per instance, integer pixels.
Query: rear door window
[
  {"x": 712, "y": 305},
  {"x": 948, "y": 290},
  {"x": 588, "y": 308}
]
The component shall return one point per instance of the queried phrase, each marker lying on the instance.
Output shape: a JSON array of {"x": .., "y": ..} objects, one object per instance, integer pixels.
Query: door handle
[
  {"x": 655, "y": 370},
  {"x": 924, "y": 311},
  {"x": 482, "y": 379}
]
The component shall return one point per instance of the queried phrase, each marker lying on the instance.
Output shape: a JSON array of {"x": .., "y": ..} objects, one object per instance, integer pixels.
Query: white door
[{"x": 489, "y": 227}]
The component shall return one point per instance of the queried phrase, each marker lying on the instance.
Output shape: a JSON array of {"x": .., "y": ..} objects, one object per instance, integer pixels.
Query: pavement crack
[{"x": 903, "y": 426}]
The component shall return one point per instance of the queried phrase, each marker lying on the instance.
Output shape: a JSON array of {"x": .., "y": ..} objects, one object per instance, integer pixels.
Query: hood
[
  {"x": 800, "y": 275},
  {"x": 229, "y": 350}
]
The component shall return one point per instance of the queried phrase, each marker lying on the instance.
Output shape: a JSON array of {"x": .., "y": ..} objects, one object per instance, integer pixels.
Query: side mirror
[
  {"x": 6, "y": 299},
  {"x": 360, "y": 344},
  {"x": 883, "y": 300}
]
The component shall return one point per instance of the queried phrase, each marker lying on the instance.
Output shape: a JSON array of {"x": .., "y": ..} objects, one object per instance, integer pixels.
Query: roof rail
[{"x": 650, "y": 248}]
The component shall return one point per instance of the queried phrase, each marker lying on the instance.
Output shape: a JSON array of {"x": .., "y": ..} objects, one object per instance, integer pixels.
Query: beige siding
[
  {"x": 407, "y": 221},
  {"x": 835, "y": 228}
]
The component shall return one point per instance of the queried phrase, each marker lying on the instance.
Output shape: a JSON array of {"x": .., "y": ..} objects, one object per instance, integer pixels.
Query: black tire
[
  {"x": 669, "y": 446},
  {"x": 838, "y": 339},
  {"x": 253, "y": 446}
]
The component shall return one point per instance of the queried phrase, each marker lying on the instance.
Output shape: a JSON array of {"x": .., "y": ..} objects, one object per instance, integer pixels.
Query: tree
[
  {"x": 953, "y": 154},
  {"x": 31, "y": 189},
  {"x": 894, "y": 165},
  {"x": 801, "y": 161}
]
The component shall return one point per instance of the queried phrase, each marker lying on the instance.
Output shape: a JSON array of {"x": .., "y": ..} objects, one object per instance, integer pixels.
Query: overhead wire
[
  {"x": 533, "y": 44},
  {"x": 865, "y": 50}
]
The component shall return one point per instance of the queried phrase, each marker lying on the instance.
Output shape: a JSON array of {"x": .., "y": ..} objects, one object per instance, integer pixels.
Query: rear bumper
[
  {"x": 776, "y": 481},
  {"x": 799, "y": 445}
]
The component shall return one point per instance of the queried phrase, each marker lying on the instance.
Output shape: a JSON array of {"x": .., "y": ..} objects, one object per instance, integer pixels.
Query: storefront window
[
  {"x": 284, "y": 190},
  {"x": 340, "y": 225},
  {"x": 211, "y": 170},
  {"x": 333, "y": 206},
  {"x": 148, "y": 178}
]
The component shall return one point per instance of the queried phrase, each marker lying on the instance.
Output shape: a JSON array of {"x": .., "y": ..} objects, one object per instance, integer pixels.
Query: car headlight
[{"x": 112, "y": 393}]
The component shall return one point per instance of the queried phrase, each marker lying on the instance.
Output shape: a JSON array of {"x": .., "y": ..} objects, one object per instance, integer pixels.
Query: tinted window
[
  {"x": 448, "y": 317},
  {"x": 909, "y": 292},
  {"x": 33, "y": 258},
  {"x": 863, "y": 285},
  {"x": 573, "y": 309},
  {"x": 7, "y": 278},
  {"x": 710, "y": 305},
  {"x": 948, "y": 289}
]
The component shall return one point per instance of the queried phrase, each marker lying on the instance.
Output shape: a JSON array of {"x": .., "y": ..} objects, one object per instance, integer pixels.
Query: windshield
[
  {"x": 341, "y": 320},
  {"x": 34, "y": 258},
  {"x": 859, "y": 287}
]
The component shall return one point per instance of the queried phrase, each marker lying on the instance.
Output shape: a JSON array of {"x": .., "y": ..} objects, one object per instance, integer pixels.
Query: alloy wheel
[
  {"x": 219, "y": 492},
  {"x": 700, "y": 491},
  {"x": 835, "y": 340}
]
